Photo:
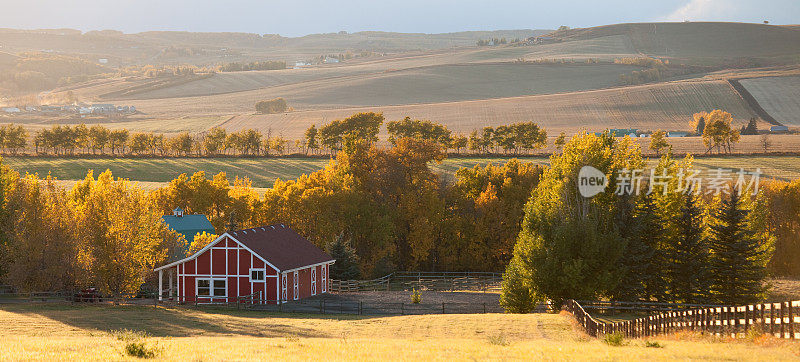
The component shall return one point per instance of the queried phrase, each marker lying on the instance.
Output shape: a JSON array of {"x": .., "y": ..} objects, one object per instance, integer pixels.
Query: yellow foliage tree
[
  {"x": 121, "y": 232},
  {"x": 718, "y": 132}
]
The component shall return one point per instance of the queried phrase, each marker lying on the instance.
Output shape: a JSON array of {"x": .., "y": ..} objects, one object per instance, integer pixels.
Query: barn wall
[{"x": 227, "y": 260}]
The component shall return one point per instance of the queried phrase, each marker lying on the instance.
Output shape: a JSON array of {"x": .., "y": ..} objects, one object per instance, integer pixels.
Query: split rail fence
[
  {"x": 439, "y": 281},
  {"x": 777, "y": 319}
]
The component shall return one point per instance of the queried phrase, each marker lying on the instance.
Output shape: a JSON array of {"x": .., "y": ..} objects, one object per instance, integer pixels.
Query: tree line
[
  {"x": 383, "y": 209},
  {"x": 687, "y": 246},
  {"x": 516, "y": 138},
  {"x": 386, "y": 206},
  {"x": 508, "y": 139}
]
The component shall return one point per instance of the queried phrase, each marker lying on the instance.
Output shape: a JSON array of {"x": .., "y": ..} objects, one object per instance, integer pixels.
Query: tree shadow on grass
[{"x": 171, "y": 322}]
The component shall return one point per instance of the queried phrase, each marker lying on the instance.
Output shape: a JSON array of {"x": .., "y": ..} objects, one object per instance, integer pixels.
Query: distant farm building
[
  {"x": 542, "y": 40},
  {"x": 779, "y": 129},
  {"x": 330, "y": 60},
  {"x": 677, "y": 134},
  {"x": 622, "y": 132},
  {"x": 188, "y": 225},
  {"x": 11, "y": 110},
  {"x": 273, "y": 264}
]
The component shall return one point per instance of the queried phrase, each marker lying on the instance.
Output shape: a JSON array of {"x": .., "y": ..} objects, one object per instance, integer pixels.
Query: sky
[{"x": 302, "y": 17}]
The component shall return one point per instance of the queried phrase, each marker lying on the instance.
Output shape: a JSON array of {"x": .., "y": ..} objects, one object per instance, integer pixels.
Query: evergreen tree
[
  {"x": 639, "y": 273},
  {"x": 736, "y": 271},
  {"x": 688, "y": 266},
  {"x": 346, "y": 266},
  {"x": 701, "y": 125}
]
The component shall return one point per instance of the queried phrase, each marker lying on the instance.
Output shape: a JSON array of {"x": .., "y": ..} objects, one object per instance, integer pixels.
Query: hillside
[
  {"x": 664, "y": 105},
  {"x": 705, "y": 42},
  {"x": 778, "y": 96}
]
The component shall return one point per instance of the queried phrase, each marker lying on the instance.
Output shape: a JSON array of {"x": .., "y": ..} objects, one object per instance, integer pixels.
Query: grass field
[
  {"x": 51, "y": 332},
  {"x": 779, "y": 96},
  {"x": 153, "y": 173}
]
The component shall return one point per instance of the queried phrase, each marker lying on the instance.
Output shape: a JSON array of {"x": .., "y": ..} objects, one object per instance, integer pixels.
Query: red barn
[{"x": 273, "y": 263}]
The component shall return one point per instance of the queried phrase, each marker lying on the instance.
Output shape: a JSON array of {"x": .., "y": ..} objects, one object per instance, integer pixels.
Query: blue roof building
[{"x": 188, "y": 225}]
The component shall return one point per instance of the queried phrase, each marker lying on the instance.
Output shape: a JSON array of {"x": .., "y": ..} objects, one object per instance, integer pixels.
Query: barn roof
[
  {"x": 189, "y": 225},
  {"x": 281, "y": 246}
]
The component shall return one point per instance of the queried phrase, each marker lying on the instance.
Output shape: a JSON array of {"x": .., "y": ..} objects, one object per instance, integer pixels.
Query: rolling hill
[
  {"x": 701, "y": 41},
  {"x": 778, "y": 96}
]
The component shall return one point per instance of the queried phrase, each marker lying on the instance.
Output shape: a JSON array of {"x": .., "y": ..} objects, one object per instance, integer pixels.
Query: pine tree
[
  {"x": 346, "y": 266},
  {"x": 701, "y": 126},
  {"x": 736, "y": 272},
  {"x": 640, "y": 275},
  {"x": 688, "y": 266}
]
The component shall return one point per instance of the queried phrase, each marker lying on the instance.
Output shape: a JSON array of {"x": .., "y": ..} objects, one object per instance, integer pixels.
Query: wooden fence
[
  {"x": 777, "y": 319},
  {"x": 439, "y": 281}
]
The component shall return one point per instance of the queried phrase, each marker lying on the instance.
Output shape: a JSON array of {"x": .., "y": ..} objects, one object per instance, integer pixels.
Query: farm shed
[
  {"x": 272, "y": 263},
  {"x": 188, "y": 225}
]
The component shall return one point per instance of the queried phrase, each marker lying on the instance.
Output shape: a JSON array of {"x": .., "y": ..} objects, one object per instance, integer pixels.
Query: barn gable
[{"x": 260, "y": 263}]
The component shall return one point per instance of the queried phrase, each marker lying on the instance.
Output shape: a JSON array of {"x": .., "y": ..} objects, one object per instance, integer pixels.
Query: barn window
[
  {"x": 314, "y": 281},
  {"x": 283, "y": 287},
  {"x": 296, "y": 280},
  {"x": 203, "y": 287},
  {"x": 211, "y": 287},
  {"x": 257, "y": 275},
  {"x": 324, "y": 278}
]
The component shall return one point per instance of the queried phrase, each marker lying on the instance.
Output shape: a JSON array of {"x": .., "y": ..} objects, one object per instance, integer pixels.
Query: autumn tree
[
  {"x": 718, "y": 132},
  {"x": 311, "y": 138},
  {"x": 568, "y": 243},
  {"x": 658, "y": 142},
  {"x": 43, "y": 252},
  {"x": 277, "y": 105},
  {"x": 123, "y": 236},
  {"x": 214, "y": 141},
  {"x": 560, "y": 141}
]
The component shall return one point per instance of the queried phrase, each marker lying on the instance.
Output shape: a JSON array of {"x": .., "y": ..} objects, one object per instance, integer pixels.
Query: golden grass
[{"x": 79, "y": 333}]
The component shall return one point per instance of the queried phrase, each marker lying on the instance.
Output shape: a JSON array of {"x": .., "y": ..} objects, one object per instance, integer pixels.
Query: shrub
[
  {"x": 416, "y": 298},
  {"x": 653, "y": 344},
  {"x": 139, "y": 349},
  {"x": 614, "y": 339},
  {"x": 498, "y": 340},
  {"x": 136, "y": 343},
  {"x": 277, "y": 105}
]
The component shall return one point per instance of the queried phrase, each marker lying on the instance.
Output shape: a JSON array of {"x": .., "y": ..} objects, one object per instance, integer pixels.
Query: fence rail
[
  {"x": 777, "y": 319},
  {"x": 440, "y": 281}
]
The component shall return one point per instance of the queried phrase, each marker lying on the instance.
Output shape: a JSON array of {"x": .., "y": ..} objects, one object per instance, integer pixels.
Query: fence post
[
  {"x": 783, "y": 314},
  {"x": 484, "y": 307},
  {"x": 772, "y": 319},
  {"x": 791, "y": 321},
  {"x": 360, "y": 307},
  {"x": 402, "y": 308}
]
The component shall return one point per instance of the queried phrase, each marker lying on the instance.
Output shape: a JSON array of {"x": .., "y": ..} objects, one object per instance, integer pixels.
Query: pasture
[
  {"x": 62, "y": 332},
  {"x": 153, "y": 173}
]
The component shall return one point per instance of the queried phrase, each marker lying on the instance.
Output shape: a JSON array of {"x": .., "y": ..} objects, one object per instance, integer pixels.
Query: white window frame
[
  {"x": 324, "y": 278},
  {"x": 314, "y": 281},
  {"x": 211, "y": 294},
  {"x": 283, "y": 287},
  {"x": 296, "y": 282},
  {"x": 262, "y": 270}
]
